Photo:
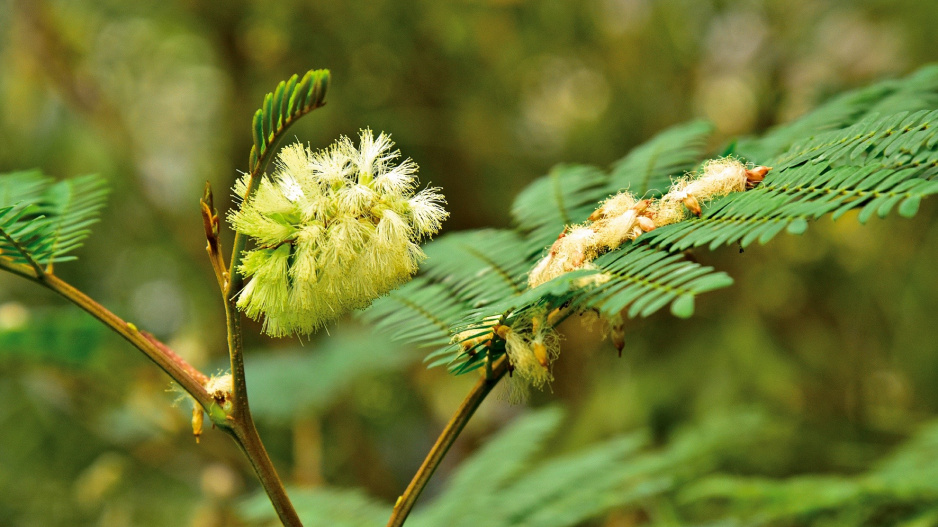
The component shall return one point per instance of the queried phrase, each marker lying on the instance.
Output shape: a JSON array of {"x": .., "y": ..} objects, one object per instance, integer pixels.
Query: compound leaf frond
[{"x": 43, "y": 221}]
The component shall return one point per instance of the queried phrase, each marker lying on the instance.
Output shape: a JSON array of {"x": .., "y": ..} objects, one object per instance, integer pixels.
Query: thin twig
[
  {"x": 175, "y": 366},
  {"x": 200, "y": 377},
  {"x": 20, "y": 270},
  {"x": 443, "y": 443}
]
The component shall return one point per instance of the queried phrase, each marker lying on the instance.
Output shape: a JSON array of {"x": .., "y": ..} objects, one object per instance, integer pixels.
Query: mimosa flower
[{"x": 333, "y": 230}]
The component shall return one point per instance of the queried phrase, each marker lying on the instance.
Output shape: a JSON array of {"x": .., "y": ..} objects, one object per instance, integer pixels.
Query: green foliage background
[{"x": 802, "y": 384}]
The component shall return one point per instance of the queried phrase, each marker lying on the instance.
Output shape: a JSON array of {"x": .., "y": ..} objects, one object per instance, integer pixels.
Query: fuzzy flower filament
[{"x": 333, "y": 230}]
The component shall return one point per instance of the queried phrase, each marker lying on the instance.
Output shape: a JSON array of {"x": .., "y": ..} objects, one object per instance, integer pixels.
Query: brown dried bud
[
  {"x": 755, "y": 175},
  {"x": 502, "y": 331},
  {"x": 646, "y": 224},
  {"x": 598, "y": 214},
  {"x": 575, "y": 261},
  {"x": 692, "y": 205},
  {"x": 553, "y": 317},
  {"x": 618, "y": 338}
]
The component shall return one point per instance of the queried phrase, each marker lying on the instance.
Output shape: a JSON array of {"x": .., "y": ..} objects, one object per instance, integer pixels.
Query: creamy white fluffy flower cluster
[
  {"x": 333, "y": 230},
  {"x": 624, "y": 217}
]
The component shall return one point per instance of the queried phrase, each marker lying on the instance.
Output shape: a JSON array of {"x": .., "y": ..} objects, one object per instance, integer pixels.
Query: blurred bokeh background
[{"x": 829, "y": 336}]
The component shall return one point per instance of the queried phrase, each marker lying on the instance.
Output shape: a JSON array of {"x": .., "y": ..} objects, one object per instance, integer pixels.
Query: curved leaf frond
[
  {"x": 464, "y": 272},
  {"x": 420, "y": 312},
  {"x": 481, "y": 266},
  {"x": 289, "y": 101}
]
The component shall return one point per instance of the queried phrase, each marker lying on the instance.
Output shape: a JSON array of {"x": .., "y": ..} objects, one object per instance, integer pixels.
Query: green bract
[{"x": 334, "y": 230}]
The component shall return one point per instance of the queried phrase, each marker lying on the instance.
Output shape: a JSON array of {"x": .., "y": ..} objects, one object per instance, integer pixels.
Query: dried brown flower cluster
[
  {"x": 623, "y": 217},
  {"x": 531, "y": 342}
]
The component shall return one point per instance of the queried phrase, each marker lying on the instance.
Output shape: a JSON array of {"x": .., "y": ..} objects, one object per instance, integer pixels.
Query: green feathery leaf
[
  {"x": 647, "y": 170},
  {"x": 843, "y": 157},
  {"x": 903, "y": 486},
  {"x": 420, "y": 312},
  {"x": 919, "y": 91},
  {"x": 290, "y": 100},
  {"x": 481, "y": 266},
  {"x": 509, "y": 483},
  {"x": 565, "y": 196},
  {"x": 464, "y": 272},
  {"x": 645, "y": 280},
  {"x": 43, "y": 221},
  {"x": 873, "y": 166},
  {"x": 570, "y": 193},
  {"x": 640, "y": 279}
]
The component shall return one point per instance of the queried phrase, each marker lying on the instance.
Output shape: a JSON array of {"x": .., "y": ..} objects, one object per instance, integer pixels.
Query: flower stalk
[
  {"x": 240, "y": 422},
  {"x": 478, "y": 393}
]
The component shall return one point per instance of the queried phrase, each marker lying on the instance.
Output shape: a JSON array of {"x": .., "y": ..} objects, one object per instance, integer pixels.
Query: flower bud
[
  {"x": 647, "y": 224},
  {"x": 220, "y": 388},
  {"x": 754, "y": 176},
  {"x": 197, "y": 417},
  {"x": 540, "y": 353},
  {"x": 692, "y": 205}
]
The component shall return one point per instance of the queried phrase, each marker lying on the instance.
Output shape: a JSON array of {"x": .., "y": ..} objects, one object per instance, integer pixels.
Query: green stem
[
  {"x": 443, "y": 443},
  {"x": 245, "y": 434},
  {"x": 241, "y": 425},
  {"x": 240, "y": 421}
]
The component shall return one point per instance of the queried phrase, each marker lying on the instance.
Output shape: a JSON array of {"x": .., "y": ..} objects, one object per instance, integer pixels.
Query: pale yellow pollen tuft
[
  {"x": 531, "y": 347},
  {"x": 526, "y": 365},
  {"x": 614, "y": 206}
]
